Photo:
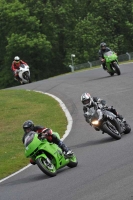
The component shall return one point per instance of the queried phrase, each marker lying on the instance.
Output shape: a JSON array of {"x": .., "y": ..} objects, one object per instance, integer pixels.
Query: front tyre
[
  {"x": 113, "y": 129},
  {"x": 117, "y": 69},
  {"x": 26, "y": 76},
  {"x": 46, "y": 166}
]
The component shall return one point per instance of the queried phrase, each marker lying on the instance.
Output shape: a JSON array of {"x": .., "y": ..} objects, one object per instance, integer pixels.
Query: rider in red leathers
[
  {"x": 15, "y": 67},
  {"x": 43, "y": 131}
]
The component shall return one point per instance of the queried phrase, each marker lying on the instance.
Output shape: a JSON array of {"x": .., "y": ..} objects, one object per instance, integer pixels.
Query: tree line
[{"x": 45, "y": 33}]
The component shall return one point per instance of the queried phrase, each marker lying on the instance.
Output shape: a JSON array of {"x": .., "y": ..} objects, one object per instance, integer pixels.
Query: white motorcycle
[{"x": 24, "y": 74}]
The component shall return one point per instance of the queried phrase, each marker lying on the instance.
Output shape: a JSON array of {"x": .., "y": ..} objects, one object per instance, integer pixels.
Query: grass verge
[{"x": 17, "y": 106}]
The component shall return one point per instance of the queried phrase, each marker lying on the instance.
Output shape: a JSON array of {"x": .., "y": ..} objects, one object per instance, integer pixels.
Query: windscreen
[
  {"x": 29, "y": 137},
  {"x": 109, "y": 53}
]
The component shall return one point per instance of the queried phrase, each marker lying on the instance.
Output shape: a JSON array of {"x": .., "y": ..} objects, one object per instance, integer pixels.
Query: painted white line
[
  {"x": 15, "y": 173},
  {"x": 69, "y": 127},
  {"x": 68, "y": 116}
]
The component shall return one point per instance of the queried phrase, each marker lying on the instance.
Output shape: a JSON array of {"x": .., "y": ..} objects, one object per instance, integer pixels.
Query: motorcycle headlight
[{"x": 96, "y": 122}]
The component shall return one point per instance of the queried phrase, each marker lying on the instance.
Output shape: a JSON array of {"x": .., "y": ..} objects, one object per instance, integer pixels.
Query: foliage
[{"x": 45, "y": 33}]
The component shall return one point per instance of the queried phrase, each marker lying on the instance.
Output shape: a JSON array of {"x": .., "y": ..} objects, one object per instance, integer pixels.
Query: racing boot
[
  {"x": 103, "y": 66},
  {"x": 15, "y": 79},
  {"x": 18, "y": 79},
  {"x": 65, "y": 149}
]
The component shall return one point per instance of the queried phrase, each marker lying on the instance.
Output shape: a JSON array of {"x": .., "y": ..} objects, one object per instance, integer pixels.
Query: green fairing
[
  {"x": 42, "y": 149},
  {"x": 112, "y": 65}
]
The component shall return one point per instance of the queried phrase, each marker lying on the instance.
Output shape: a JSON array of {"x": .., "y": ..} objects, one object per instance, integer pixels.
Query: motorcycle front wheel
[
  {"x": 46, "y": 166},
  {"x": 27, "y": 77},
  {"x": 117, "y": 69},
  {"x": 112, "y": 130}
]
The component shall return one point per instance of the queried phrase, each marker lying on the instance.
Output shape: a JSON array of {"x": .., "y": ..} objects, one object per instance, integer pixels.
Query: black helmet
[
  {"x": 103, "y": 44},
  {"x": 28, "y": 125}
]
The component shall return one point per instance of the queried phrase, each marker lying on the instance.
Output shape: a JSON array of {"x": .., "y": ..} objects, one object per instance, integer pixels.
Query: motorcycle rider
[
  {"x": 103, "y": 49},
  {"x": 47, "y": 133},
  {"x": 15, "y": 67},
  {"x": 89, "y": 102}
]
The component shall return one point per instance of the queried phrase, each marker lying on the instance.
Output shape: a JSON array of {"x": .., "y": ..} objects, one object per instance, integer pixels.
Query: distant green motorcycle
[
  {"x": 48, "y": 156},
  {"x": 111, "y": 60}
]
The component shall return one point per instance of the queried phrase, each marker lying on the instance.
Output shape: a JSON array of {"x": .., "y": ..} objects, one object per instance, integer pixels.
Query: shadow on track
[
  {"x": 94, "y": 142},
  {"x": 33, "y": 178},
  {"x": 28, "y": 179},
  {"x": 104, "y": 77}
]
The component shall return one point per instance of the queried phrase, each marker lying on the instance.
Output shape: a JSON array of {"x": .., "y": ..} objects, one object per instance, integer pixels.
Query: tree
[{"x": 45, "y": 33}]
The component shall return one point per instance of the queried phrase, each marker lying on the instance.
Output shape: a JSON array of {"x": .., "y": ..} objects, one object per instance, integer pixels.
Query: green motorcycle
[
  {"x": 48, "y": 156},
  {"x": 111, "y": 60}
]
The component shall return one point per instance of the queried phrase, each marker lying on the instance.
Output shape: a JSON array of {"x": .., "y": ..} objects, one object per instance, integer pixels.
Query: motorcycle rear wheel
[
  {"x": 73, "y": 162},
  {"x": 128, "y": 129},
  {"x": 46, "y": 166},
  {"x": 111, "y": 73}
]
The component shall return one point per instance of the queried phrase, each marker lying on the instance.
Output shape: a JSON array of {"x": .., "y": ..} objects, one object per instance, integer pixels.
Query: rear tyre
[
  {"x": 73, "y": 162},
  {"x": 46, "y": 166},
  {"x": 128, "y": 129},
  {"x": 111, "y": 73}
]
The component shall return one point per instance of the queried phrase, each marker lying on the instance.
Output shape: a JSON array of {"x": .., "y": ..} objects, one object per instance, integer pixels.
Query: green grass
[{"x": 17, "y": 106}]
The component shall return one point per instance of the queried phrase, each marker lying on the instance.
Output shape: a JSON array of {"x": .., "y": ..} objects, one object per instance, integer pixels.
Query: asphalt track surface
[{"x": 105, "y": 169}]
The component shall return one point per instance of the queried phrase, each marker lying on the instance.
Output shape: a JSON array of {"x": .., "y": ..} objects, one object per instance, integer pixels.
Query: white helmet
[
  {"x": 16, "y": 58},
  {"x": 86, "y": 99}
]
